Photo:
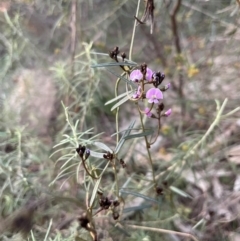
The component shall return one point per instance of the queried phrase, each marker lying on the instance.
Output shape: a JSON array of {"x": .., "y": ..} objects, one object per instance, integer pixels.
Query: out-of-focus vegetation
[{"x": 52, "y": 100}]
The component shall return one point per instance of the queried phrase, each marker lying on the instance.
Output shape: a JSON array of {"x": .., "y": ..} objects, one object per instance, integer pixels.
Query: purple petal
[
  {"x": 158, "y": 94},
  {"x": 148, "y": 112},
  {"x": 150, "y": 93},
  {"x": 154, "y": 93},
  {"x": 149, "y": 74},
  {"x": 168, "y": 112},
  {"x": 136, "y": 75}
]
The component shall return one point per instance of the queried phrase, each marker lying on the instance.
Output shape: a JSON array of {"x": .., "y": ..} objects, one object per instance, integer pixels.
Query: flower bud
[
  {"x": 165, "y": 87},
  {"x": 87, "y": 154},
  {"x": 168, "y": 112}
]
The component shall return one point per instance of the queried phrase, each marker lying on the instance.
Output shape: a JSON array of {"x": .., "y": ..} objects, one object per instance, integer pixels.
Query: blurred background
[{"x": 47, "y": 48}]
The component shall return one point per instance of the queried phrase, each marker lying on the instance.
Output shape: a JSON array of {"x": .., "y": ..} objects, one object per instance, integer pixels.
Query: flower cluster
[{"x": 143, "y": 77}]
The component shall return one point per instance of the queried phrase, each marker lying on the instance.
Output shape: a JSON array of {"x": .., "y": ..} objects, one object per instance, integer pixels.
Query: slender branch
[
  {"x": 159, "y": 230},
  {"x": 174, "y": 24},
  {"x": 173, "y": 15}
]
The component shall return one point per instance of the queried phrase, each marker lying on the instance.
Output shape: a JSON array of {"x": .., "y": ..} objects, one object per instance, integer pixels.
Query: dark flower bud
[
  {"x": 81, "y": 150},
  {"x": 162, "y": 76},
  {"x": 105, "y": 156},
  {"x": 116, "y": 203},
  {"x": 122, "y": 163},
  {"x": 161, "y": 107},
  {"x": 78, "y": 149},
  {"x": 108, "y": 156},
  {"x": 158, "y": 77},
  {"x": 123, "y": 55},
  {"x": 111, "y": 54},
  {"x": 116, "y": 50},
  {"x": 105, "y": 203},
  {"x": 115, "y": 215},
  {"x": 87, "y": 154},
  {"x": 165, "y": 183},
  {"x": 143, "y": 69},
  {"x": 159, "y": 190},
  {"x": 84, "y": 221}
]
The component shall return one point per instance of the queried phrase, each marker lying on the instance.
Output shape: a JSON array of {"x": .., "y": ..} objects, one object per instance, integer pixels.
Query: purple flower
[
  {"x": 154, "y": 95},
  {"x": 148, "y": 112},
  {"x": 136, "y": 75},
  {"x": 138, "y": 93},
  {"x": 149, "y": 74},
  {"x": 168, "y": 112}
]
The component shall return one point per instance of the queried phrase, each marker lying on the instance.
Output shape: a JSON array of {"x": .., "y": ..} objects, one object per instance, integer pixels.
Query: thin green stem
[
  {"x": 116, "y": 177},
  {"x": 117, "y": 110},
  {"x": 148, "y": 152},
  {"x": 134, "y": 31}
]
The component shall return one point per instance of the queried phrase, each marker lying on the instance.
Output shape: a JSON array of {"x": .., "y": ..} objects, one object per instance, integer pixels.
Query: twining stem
[{"x": 134, "y": 31}]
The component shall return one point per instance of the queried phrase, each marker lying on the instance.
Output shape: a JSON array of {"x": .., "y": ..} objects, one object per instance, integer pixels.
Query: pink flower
[
  {"x": 148, "y": 112},
  {"x": 136, "y": 75},
  {"x": 168, "y": 112},
  {"x": 154, "y": 95},
  {"x": 149, "y": 74},
  {"x": 138, "y": 93}
]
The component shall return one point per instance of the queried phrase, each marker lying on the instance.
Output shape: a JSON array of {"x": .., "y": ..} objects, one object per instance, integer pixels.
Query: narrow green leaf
[
  {"x": 122, "y": 140},
  {"x": 180, "y": 192},
  {"x": 146, "y": 133},
  {"x": 123, "y": 100},
  {"x": 123, "y": 78},
  {"x": 95, "y": 189},
  {"x": 102, "y": 146},
  {"x": 201, "y": 222},
  {"x": 136, "y": 208},
  {"x": 119, "y": 97},
  {"x": 96, "y": 154},
  {"x": 76, "y": 124},
  {"x": 136, "y": 194},
  {"x": 123, "y": 131}
]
